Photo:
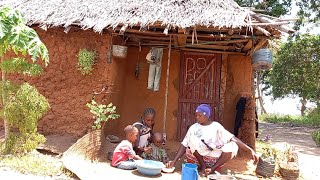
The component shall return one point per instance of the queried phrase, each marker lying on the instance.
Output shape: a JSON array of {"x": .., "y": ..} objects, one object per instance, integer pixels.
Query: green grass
[
  {"x": 308, "y": 120},
  {"x": 37, "y": 164}
]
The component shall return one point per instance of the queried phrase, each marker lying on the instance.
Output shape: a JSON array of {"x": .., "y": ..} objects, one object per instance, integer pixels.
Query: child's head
[
  {"x": 148, "y": 117},
  {"x": 131, "y": 133},
  {"x": 157, "y": 139}
]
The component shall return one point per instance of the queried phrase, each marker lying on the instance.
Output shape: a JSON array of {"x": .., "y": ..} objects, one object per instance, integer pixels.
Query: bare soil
[
  {"x": 242, "y": 167},
  {"x": 300, "y": 138}
]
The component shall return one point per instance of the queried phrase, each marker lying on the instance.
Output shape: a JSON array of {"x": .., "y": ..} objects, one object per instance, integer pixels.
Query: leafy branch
[{"x": 102, "y": 113}]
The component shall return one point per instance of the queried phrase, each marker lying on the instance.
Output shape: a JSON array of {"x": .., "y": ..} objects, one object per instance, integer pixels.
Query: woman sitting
[
  {"x": 209, "y": 144},
  {"x": 145, "y": 127}
]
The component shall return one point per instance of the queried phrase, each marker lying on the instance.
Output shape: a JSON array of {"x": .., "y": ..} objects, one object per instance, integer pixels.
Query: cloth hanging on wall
[
  {"x": 241, "y": 105},
  {"x": 154, "y": 58}
]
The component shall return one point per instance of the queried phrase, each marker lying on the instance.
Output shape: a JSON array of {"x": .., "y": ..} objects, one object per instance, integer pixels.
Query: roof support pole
[{"x": 167, "y": 90}]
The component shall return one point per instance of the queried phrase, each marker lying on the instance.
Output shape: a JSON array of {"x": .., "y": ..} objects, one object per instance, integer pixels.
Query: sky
[{"x": 288, "y": 106}]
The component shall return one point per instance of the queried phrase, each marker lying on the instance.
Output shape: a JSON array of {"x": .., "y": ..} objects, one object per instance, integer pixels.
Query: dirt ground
[
  {"x": 300, "y": 139},
  {"x": 241, "y": 167}
]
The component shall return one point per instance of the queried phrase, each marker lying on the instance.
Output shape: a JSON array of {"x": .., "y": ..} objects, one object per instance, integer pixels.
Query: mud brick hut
[{"x": 208, "y": 46}]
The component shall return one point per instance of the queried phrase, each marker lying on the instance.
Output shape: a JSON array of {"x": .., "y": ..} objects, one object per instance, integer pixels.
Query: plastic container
[
  {"x": 262, "y": 59},
  {"x": 149, "y": 167},
  {"x": 189, "y": 172}
]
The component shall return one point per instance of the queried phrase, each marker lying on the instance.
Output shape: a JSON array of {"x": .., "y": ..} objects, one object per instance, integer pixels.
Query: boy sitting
[
  {"x": 124, "y": 155},
  {"x": 157, "y": 152}
]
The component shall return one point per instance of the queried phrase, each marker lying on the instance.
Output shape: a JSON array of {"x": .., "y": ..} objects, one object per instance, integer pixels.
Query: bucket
[
  {"x": 262, "y": 59},
  {"x": 189, "y": 172}
]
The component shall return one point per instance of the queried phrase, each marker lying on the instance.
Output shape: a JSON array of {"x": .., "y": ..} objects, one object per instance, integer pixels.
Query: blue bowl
[{"x": 149, "y": 167}]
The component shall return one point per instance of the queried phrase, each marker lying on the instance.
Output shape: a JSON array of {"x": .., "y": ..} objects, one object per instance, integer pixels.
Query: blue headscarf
[{"x": 205, "y": 109}]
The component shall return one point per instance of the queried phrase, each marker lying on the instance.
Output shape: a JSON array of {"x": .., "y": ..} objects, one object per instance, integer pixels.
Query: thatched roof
[{"x": 101, "y": 14}]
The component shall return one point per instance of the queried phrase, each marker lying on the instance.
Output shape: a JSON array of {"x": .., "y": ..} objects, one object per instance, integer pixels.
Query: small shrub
[
  {"x": 102, "y": 113},
  {"x": 86, "y": 61},
  {"x": 316, "y": 137},
  {"x": 312, "y": 119},
  {"x": 24, "y": 107}
]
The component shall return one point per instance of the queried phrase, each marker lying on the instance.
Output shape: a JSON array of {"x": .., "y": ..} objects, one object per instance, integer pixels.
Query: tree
[
  {"x": 296, "y": 70},
  {"x": 309, "y": 12},
  {"x": 21, "y": 104},
  {"x": 270, "y": 7}
]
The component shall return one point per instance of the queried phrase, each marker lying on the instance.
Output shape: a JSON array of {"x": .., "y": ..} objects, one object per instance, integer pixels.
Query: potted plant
[
  {"x": 92, "y": 146},
  {"x": 266, "y": 164},
  {"x": 288, "y": 163}
]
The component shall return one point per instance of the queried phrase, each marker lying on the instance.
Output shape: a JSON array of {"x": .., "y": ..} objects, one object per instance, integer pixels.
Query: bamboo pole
[
  {"x": 263, "y": 110},
  {"x": 167, "y": 89}
]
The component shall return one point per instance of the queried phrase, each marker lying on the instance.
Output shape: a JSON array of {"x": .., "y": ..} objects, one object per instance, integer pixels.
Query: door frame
[{"x": 218, "y": 70}]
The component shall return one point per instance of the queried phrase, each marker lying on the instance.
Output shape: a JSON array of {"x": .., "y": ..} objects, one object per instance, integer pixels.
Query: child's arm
[
  {"x": 165, "y": 158},
  {"x": 136, "y": 157}
]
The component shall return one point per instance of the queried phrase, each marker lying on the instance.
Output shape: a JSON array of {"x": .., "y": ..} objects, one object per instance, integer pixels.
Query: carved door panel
[{"x": 199, "y": 83}]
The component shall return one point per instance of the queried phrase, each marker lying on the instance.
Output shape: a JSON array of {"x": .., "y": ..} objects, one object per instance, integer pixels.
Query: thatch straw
[{"x": 101, "y": 14}]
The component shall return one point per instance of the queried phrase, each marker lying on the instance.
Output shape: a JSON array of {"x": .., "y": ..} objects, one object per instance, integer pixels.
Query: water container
[
  {"x": 262, "y": 59},
  {"x": 189, "y": 172}
]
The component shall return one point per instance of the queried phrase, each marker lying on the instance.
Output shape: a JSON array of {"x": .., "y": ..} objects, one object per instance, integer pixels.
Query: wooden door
[{"x": 199, "y": 83}]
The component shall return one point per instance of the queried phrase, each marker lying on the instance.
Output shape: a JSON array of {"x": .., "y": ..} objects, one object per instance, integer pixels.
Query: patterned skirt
[{"x": 208, "y": 160}]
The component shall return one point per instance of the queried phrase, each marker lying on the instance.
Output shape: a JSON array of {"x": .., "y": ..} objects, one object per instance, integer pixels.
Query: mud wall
[
  {"x": 136, "y": 96},
  {"x": 238, "y": 80},
  {"x": 66, "y": 89}
]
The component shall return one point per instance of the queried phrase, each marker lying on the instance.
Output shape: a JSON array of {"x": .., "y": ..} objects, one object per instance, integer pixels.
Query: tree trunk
[
  {"x": 303, "y": 106},
  {"x": 3, "y": 98}
]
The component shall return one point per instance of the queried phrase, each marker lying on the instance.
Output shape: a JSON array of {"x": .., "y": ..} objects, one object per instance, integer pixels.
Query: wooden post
[
  {"x": 167, "y": 89},
  {"x": 5, "y": 121}
]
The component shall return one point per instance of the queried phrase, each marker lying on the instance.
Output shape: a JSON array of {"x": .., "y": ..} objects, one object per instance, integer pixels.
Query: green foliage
[
  {"x": 16, "y": 36},
  {"x": 296, "y": 69},
  {"x": 36, "y": 164},
  {"x": 275, "y": 154},
  {"x": 309, "y": 12},
  {"x": 102, "y": 113},
  {"x": 316, "y": 137},
  {"x": 7, "y": 88},
  {"x": 308, "y": 120},
  {"x": 21, "y": 65},
  {"x": 272, "y": 7},
  {"x": 24, "y": 107},
  {"x": 21, "y": 143},
  {"x": 86, "y": 60}
]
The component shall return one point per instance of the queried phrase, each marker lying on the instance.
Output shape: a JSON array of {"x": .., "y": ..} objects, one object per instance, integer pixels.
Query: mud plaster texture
[
  {"x": 62, "y": 84},
  {"x": 68, "y": 91}
]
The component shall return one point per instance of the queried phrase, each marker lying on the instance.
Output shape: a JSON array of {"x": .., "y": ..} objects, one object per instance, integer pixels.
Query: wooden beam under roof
[
  {"x": 248, "y": 46},
  {"x": 270, "y": 22},
  {"x": 260, "y": 44},
  {"x": 216, "y": 47},
  {"x": 221, "y": 42},
  {"x": 199, "y": 35},
  {"x": 211, "y": 51}
]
